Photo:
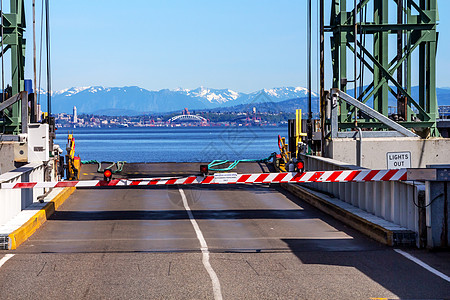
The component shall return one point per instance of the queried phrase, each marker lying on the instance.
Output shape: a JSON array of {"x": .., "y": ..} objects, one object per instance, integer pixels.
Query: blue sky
[{"x": 243, "y": 45}]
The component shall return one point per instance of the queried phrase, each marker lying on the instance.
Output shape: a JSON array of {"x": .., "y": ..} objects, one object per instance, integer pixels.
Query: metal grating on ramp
[
  {"x": 4, "y": 242},
  {"x": 404, "y": 238}
]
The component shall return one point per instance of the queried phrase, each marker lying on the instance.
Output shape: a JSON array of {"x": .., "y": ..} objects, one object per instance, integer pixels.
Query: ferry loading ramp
[{"x": 263, "y": 243}]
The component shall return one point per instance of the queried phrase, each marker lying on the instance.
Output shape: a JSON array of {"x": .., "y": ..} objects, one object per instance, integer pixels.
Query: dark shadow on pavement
[
  {"x": 293, "y": 214},
  {"x": 391, "y": 270},
  {"x": 378, "y": 262}
]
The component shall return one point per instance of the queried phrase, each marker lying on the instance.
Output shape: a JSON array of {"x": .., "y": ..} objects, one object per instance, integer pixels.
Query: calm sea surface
[{"x": 178, "y": 144}]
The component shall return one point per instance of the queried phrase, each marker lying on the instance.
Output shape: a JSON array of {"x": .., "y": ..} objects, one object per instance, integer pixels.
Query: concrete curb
[
  {"x": 376, "y": 228},
  {"x": 21, "y": 227}
]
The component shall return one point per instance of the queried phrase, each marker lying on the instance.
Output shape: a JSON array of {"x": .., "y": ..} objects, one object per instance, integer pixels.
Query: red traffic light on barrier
[
  {"x": 300, "y": 166},
  {"x": 204, "y": 169},
  {"x": 107, "y": 175}
]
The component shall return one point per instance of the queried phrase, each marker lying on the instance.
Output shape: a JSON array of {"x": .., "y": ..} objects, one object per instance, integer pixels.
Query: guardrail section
[
  {"x": 13, "y": 202},
  {"x": 394, "y": 201}
]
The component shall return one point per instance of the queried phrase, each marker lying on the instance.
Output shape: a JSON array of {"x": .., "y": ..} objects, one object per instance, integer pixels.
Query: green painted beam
[
  {"x": 420, "y": 30},
  {"x": 13, "y": 41}
]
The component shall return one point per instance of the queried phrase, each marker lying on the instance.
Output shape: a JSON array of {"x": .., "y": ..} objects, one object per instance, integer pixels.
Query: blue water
[{"x": 177, "y": 144}]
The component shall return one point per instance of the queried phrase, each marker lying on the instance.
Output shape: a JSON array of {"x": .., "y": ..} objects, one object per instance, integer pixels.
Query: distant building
[
  {"x": 75, "y": 118},
  {"x": 39, "y": 118}
]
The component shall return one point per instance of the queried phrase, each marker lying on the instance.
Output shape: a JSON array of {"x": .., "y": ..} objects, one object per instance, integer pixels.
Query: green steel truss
[
  {"x": 418, "y": 24},
  {"x": 13, "y": 41}
]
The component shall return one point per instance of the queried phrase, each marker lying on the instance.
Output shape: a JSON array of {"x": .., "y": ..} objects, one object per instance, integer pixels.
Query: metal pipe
[
  {"x": 35, "y": 118},
  {"x": 323, "y": 103},
  {"x": 444, "y": 236},
  {"x": 359, "y": 150},
  {"x": 49, "y": 76},
  {"x": 401, "y": 105},
  {"x": 3, "y": 62},
  {"x": 355, "y": 52},
  {"x": 309, "y": 127},
  {"x": 355, "y": 64}
]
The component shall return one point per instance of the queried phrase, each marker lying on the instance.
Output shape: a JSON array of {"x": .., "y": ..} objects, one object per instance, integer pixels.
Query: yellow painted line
[
  {"x": 21, "y": 234},
  {"x": 86, "y": 174}
]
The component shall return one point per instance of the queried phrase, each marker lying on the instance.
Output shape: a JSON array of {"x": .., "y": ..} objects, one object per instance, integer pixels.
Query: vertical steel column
[
  {"x": 432, "y": 108},
  {"x": 408, "y": 60},
  {"x": 322, "y": 75},
  {"x": 422, "y": 69},
  {"x": 343, "y": 15},
  {"x": 17, "y": 63},
  {"x": 334, "y": 41},
  {"x": 380, "y": 46},
  {"x": 49, "y": 74},
  {"x": 309, "y": 44},
  {"x": 401, "y": 100},
  {"x": 14, "y": 25},
  {"x": 34, "y": 116}
]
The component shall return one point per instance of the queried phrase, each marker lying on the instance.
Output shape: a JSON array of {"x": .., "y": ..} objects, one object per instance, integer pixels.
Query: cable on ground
[
  {"x": 234, "y": 164},
  {"x": 119, "y": 165}
]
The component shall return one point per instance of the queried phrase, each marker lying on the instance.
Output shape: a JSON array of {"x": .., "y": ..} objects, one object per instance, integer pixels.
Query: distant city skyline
[{"x": 241, "y": 45}]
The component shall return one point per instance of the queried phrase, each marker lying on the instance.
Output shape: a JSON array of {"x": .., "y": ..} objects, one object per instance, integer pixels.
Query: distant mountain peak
[
  {"x": 75, "y": 90},
  {"x": 179, "y": 89},
  {"x": 283, "y": 92},
  {"x": 210, "y": 95}
]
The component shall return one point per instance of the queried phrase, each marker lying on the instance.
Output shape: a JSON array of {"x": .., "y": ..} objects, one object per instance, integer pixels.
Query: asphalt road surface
[{"x": 230, "y": 242}]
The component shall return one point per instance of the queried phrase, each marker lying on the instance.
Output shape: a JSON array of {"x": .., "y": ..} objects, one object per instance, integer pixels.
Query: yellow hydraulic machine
[
  {"x": 73, "y": 163},
  {"x": 289, "y": 159}
]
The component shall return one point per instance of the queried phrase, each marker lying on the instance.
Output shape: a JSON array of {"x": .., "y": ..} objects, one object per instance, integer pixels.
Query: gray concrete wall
[
  {"x": 6, "y": 157},
  {"x": 374, "y": 151}
]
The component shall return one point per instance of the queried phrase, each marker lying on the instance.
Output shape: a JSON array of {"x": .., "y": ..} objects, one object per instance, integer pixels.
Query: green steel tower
[
  {"x": 382, "y": 52},
  {"x": 13, "y": 41}
]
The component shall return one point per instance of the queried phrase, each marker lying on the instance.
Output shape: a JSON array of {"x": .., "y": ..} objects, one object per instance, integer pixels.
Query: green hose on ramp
[
  {"x": 234, "y": 164},
  {"x": 119, "y": 165}
]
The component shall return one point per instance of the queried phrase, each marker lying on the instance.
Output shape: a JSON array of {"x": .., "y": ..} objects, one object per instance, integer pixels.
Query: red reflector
[
  {"x": 107, "y": 173},
  {"x": 300, "y": 165},
  {"x": 204, "y": 169}
]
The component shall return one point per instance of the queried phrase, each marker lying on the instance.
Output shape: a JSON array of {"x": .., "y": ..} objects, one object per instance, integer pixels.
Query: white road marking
[
  {"x": 5, "y": 259},
  {"x": 204, "y": 247},
  {"x": 423, "y": 265}
]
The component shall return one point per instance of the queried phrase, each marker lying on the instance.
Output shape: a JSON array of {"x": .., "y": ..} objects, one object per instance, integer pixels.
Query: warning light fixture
[
  {"x": 300, "y": 166},
  {"x": 204, "y": 169},
  {"x": 107, "y": 175}
]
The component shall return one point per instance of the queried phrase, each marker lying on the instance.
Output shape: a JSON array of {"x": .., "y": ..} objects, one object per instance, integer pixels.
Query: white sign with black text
[
  {"x": 398, "y": 160},
  {"x": 225, "y": 177}
]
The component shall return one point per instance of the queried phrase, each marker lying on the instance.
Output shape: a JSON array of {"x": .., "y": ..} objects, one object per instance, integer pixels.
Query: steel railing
[{"x": 394, "y": 201}]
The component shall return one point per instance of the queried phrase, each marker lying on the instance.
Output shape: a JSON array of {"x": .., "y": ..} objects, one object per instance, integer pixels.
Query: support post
[{"x": 14, "y": 26}]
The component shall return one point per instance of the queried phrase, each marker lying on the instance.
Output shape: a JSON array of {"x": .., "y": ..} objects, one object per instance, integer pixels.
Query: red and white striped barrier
[{"x": 230, "y": 178}]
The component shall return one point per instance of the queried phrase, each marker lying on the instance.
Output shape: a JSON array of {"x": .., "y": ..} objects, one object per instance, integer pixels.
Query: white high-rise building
[
  {"x": 75, "y": 119},
  {"x": 39, "y": 116}
]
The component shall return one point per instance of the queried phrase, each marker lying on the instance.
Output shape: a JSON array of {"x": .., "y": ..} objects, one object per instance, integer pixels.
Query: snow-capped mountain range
[
  {"x": 132, "y": 98},
  {"x": 212, "y": 95}
]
